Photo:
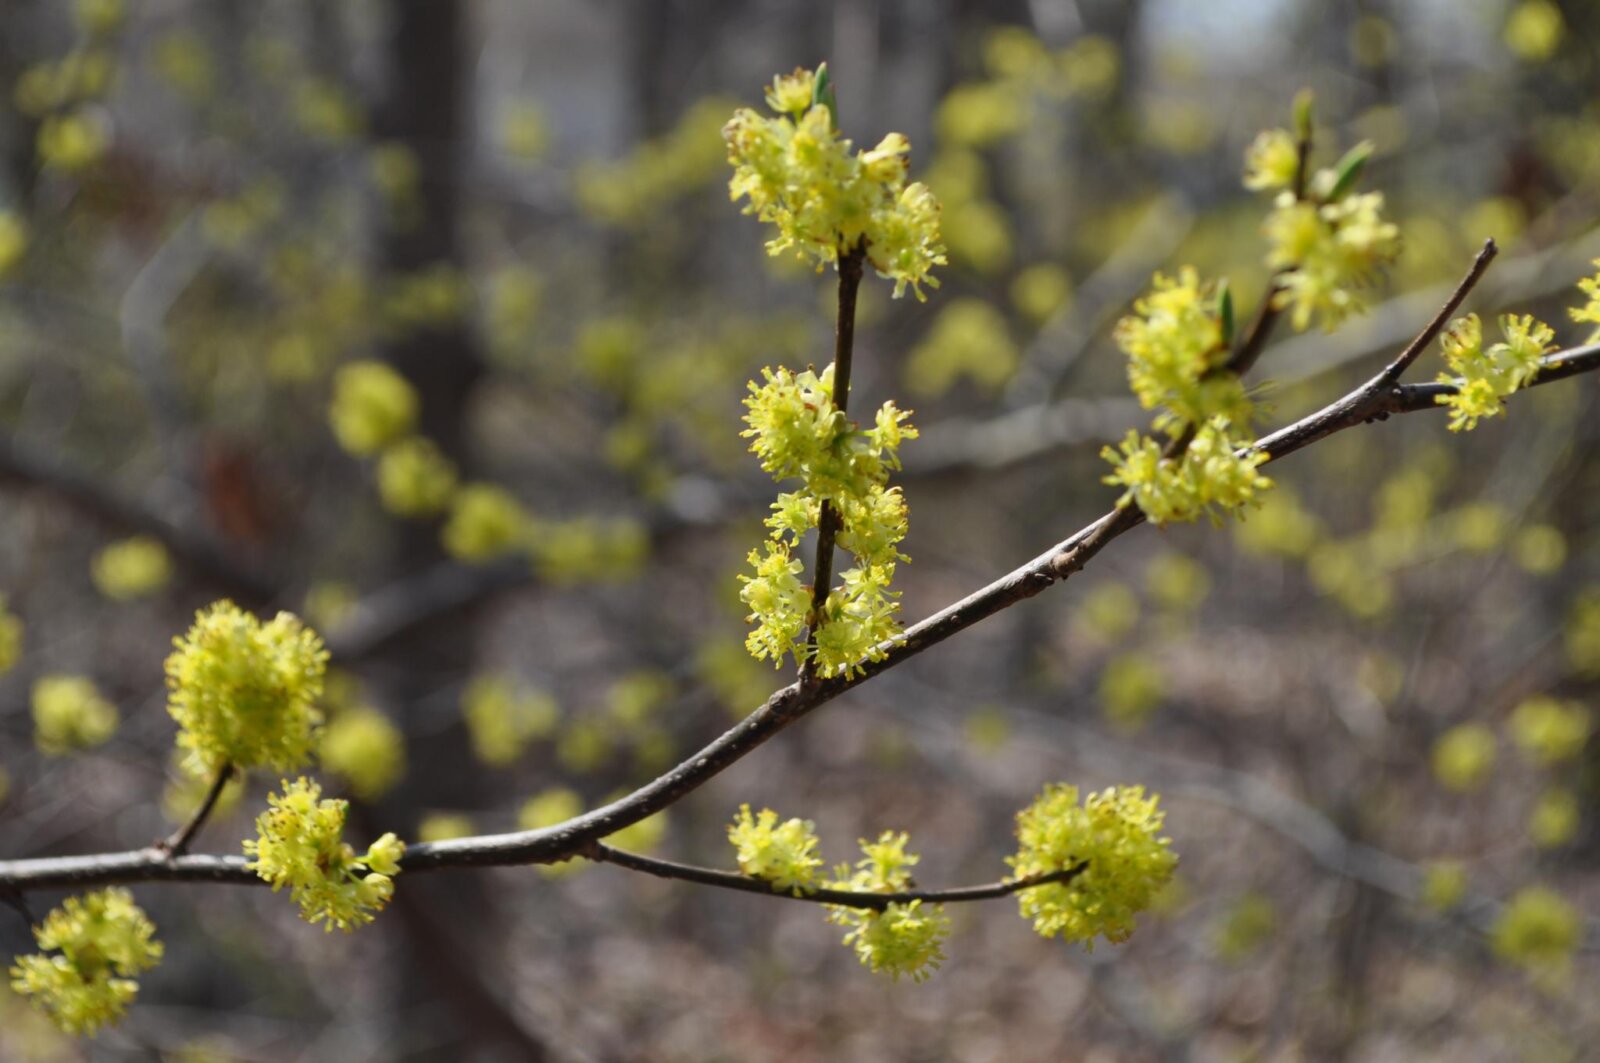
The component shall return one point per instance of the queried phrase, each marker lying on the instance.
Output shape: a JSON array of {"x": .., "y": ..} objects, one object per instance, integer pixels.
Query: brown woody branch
[
  {"x": 178, "y": 842},
  {"x": 1374, "y": 400},
  {"x": 732, "y": 880},
  {"x": 844, "y": 342}
]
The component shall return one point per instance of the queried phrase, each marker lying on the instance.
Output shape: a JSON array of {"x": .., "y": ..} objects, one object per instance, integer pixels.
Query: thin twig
[
  {"x": 1255, "y": 337},
  {"x": 732, "y": 880},
  {"x": 178, "y": 842},
  {"x": 844, "y": 342},
  {"x": 1395, "y": 369},
  {"x": 17, "y": 901}
]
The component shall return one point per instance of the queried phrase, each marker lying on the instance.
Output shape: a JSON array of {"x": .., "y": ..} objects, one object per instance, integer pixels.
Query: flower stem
[{"x": 844, "y": 340}]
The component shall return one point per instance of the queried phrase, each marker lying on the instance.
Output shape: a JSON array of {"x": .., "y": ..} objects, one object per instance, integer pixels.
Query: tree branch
[
  {"x": 732, "y": 880},
  {"x": 844, "y": 342},
  {"x": 178, "y": 842},
  {"x": 1372, "y": 401}
]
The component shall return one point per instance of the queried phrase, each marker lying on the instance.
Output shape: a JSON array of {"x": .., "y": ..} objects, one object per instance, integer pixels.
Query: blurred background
[{"x": 208, "y": 209}]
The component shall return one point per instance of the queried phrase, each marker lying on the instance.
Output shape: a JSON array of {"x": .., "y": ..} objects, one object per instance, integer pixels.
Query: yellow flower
[
  {"x": 415, "y": 479},
  {"x": 300, "y": 844},
  {"x": 69, "y": 713},
  {"x": 1485, "y": 377},
  {"x": 784, "y": 854},
  {"x": 1550, "y": 731},
  {"x": 1115, "y": 833},
  {"x": 826, "y": 199},
  {"x": 1538, "y": 931},
  {"x": 102, "y": 941},
  {"x": 906, "y": 938},
  {"x": 372, "y": 407},
  {"x": 1463, "y": 757},
  {"x": 485, "y": 522},
  {"x": 364, "y": 747},
  {"x": 13, "y": 241},
  {"x": 243, "y": 692},
  {"x": 502, "y": 719},
  {"x": 1271, "y": 161},
  {"x": 131, "y": 568}
]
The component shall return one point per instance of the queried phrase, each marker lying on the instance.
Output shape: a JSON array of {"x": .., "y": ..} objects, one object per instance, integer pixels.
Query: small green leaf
[
  {"x": 1225, "y": 311},
  {"x": 1303, "y": 115},
  {"x": 822, "y": 94},
  {"x": 1348, "y": 172}
]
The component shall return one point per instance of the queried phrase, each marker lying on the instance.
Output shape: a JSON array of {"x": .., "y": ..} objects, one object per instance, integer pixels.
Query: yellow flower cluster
[
  {"x": 1483, "y": 378},
  {"x": 300, "y": 844},
  {"x": 797, "y": 431},
  {"x": 415, "y": 479},
  {"x": 1555, "y": 818},
  {"x": 485, "y": 522},
  {"x": 1463, "y": 757},
  {"x": 970, "y": 338},
  {"x": 1550, "y": 731},
  {"x": 502, "y": 719},
  {"x": 1271, "y": 161},
  {"x": 1116, "y": 833},
  {"x": 101, "y": 941},
  {"x": 825, "y": 199},
  {"x": 243, "y": 692},
  {"x": 1537, "y": 931},
  {"x": 589, "y": 549},
  {"x": 1590, "y": 311},
  {"x": 372, "y": 406},
  {"x": 784, "y": 854},
  {"x": 904, "y": 938},
  {"x": 69, "y": 713},
  {"x": 1210, "y": 477},
  {"x": 1177, "y": 342},
  {"x": 1326, "y": 254},
  {"x": 1176, "y": 347},
  {"x": 641, "y": 186},
  {"x": 1444, "y": 884},
  {"x": 13, "y": 241},
  {"x": 361, "y": 745},
  {"x": 1327, "y": 244},
  {"x": 131, "y": 568}
]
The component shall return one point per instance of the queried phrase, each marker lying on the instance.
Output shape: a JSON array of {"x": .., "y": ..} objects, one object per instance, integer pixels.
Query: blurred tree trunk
[
  {"x": 449, "y": 923},
  {"x": 18, "y": 133}
]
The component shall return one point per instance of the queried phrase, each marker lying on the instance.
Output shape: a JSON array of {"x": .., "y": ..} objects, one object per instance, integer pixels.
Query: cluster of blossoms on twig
[
  {"x": 798, "y": 432},
  {"x": 829, "y": 203},
  {"x": 905, "y": 938},
  {"x": 301, "y": 845},
  {"x": 244, "y": 694},
  {"x": 1178, "y": 342},
  {"x": 100, "y": 942},
  {"x": 825, "y": 198},
  {"x": 1485, "y": 375},
  {"x": 1115, "y": 834},
  {"x": 1326, "y": 244},
  {"x": 1109, "y": 852},
  {"x": 1590, "y": 311}
]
